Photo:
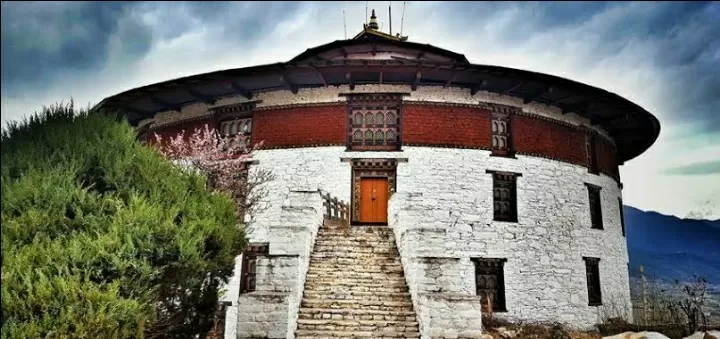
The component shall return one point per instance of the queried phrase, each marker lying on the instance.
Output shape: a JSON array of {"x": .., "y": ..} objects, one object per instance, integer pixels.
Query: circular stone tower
[{"x": 500, "y": 186}]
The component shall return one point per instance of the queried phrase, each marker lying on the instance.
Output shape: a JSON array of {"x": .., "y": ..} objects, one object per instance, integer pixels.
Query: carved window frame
[
  {"x": 592, "y": 275},
  {"x": 363, "y": 111},
  {"x": 591, "y": 152},
  {"x": 235, "y": 119},
  {"x": 501, "y": 117},
  {"x": 595, "y": 206},
  {"x": 504, "y": 195},
  {"x": 370, "y": 168},
  {"x": 248, "y": 271},
  {"x": 490, "y": 280}
]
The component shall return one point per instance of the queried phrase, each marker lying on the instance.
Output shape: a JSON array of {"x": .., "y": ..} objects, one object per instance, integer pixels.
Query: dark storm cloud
[
  {"x": 678, "y": 40},
  {"x": 682, "y": 41},
  {"x": 41, "y": 41},
  {"x": 702, "y": 168}
]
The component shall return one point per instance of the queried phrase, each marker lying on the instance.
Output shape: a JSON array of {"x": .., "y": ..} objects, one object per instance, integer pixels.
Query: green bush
[{"x": 104, "y": 238}]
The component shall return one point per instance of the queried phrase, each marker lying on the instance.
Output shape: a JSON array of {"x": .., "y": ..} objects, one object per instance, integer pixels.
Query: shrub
[{"x": 102, "y": 237}]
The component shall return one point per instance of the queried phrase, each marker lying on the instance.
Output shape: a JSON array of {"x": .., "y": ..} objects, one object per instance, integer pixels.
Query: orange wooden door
[{"x": 373, "y": 200}]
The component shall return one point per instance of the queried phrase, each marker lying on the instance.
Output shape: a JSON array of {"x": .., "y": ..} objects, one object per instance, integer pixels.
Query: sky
[{"x": 664, "y": 56}]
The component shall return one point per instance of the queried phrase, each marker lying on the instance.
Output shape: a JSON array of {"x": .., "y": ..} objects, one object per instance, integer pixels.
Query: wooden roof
[{"x": 633, "y": 128}]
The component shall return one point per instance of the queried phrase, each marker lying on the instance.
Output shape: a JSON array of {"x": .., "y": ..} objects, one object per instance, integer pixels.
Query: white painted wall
[{"x": 443, "y": 208}]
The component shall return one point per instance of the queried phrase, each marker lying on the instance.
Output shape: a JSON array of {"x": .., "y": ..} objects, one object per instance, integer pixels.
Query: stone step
[
  {"x": 322, "y": 267},
  {"x": 356, "y": 325},
  {"x": 350, "y": 314},
  {"x": 358, "y": 295},
  {"x": 351, "y": 287},
  {"x": 352, "y": 262},
  {"x": 348, "y": 278},
  {"x": 303, "y": 334},
  {"x": 383, "y": 233},
  {"x": 383, "y": 305},
  {"x": 358, "y": 277},
  {"x": 353, "y": 255},
  {"x": 355, "y": 249},
  {"x": 354, "y": 241}
]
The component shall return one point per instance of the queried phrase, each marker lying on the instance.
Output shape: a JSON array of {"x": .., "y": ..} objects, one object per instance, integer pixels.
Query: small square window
[{"x": 248, "y": 270}]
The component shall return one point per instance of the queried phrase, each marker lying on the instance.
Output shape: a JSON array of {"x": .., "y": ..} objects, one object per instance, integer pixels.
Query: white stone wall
[
  {"x": 423, "y": 93},
  {"x": 289, "y": 224},
  {"x": 443, "y": 209}
]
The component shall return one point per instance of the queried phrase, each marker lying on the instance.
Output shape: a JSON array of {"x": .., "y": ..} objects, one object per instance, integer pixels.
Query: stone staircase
[{"x": 355, "y": 286}]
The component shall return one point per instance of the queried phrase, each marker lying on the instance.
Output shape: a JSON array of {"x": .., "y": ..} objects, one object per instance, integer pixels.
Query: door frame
[{"x": 370, "y": 168}]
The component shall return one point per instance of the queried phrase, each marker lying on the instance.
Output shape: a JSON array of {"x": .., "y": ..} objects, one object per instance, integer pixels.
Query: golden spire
[{"x": 373, "y": 21}]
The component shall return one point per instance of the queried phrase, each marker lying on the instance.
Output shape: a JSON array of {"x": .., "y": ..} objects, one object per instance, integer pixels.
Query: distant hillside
[{"x": 672, "y": 248}]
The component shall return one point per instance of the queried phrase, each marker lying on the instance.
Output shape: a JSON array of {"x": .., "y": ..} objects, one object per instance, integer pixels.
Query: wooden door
[{"x": 373, "y": 200}]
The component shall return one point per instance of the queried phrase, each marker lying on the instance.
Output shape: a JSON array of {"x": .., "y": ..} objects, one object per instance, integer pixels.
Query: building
[{"x": 493, "y": 188}]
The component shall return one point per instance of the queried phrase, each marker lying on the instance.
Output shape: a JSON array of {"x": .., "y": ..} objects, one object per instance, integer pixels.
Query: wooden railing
[{"x": 336, "y": 209}]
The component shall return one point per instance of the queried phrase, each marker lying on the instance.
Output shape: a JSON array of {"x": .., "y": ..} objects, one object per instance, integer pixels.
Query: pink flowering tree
[{"x": 223, "y": 160}]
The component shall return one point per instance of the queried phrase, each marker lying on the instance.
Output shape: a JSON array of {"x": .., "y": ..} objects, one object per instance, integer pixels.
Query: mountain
[{"x": 672, "y": 248}]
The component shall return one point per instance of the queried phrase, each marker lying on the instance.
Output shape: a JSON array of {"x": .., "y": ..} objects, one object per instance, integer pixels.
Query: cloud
[
  {"x": 41, "y": 40},
  {"x": 702, "y": 168},
  {"x": 664, "y": 56}
]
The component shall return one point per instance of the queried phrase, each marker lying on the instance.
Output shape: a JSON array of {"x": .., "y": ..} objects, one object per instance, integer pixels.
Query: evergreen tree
[{"x": 102, "y": 237}]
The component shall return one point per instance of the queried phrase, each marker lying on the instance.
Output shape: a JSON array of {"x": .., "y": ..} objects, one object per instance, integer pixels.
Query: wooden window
[
  {"x": 374, "y": 122},
  {"x": 490, "y": 282},
  {"x": 592, "y": 272},
  {"x": 231, "y": 128},
  {"x": 248, "y": 270},
  {"x": 622, "y": 216},
  {"x": 591, "y": 152},
  {"x": 595, "y": 206},
  {"x": 504, "y": 196},
  {"x": 501, "y": 138}
]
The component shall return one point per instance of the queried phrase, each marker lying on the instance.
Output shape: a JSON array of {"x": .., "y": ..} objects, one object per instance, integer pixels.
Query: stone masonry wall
[
  {"x": 544, "y": 272},
  {"x": 442, "y": 217},
  {"x": 290, "y": 226}
]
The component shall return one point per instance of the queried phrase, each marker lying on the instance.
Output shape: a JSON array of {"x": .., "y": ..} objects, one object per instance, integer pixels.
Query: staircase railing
[{"x": 336, "y": 210}]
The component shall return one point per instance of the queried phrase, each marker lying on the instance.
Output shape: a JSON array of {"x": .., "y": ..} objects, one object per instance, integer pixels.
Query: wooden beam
[
  {"x": 478, "y": 87},
  {"x": 563, "y": 99},
  {"x": 452, "y": 78},
  {"x": 548, "y": 90},
  {"x": 202, "y": 97},
  {"x": 511, "y": 89},
  {"x": 284, "y": 79},
  {"x": 381, "y": 77},
  {"x": 135, "y": 111},
  {"x": 348, "y": 77},
  {"x": 418, "y": 76},
  {"x": 165, "y": 105},
  {"x": 374, "y": 48},
  {"x": 575, "y": 108},
  {"x": 321, "y": 76},
  {"x": 241, "y": 90}
]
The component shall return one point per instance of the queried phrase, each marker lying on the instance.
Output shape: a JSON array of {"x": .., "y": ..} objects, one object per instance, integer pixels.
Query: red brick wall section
[
  {"x": 300, "y": 126},
  {"x": 550, "y": 139},
  {"x": 429, "y": 125},
  {"x": 451, "y": 126},
  {"x": 606, "y": 157}
]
